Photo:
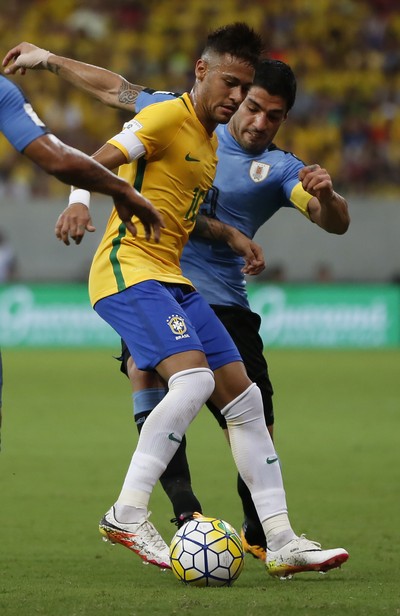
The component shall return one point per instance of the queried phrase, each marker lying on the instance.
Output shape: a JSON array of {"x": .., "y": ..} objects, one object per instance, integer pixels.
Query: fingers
[
  {"x": 10, "y": 55},
  {"x": 14, "y": 68},
  {"x": 157, "y": 232},
  {"x": 257, "y": 252},
  {"x": 73, "y": 223},
  {"x": 253, "y": 269},
  {"x": 60, "y": 231},
  {"x": 131, "y": 227},
  {"x": 157, "y": 226},
  {"x": 309, "y": 169},
  {"x": 147, "y": 230},
  {"x": 255, "y": 262},
  {"x": 26, "y": 55},
  {"x": 13, "y": 54},
  {"x": 151, "y": 220},
  {"x": 315, "y": 179},
  {"x": 64, "y": 230},
  {"x": 151, "y": 229},
  {"x": 306, "y": 173}
]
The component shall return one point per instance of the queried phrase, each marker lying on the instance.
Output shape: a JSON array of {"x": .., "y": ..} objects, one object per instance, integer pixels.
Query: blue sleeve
[
  {"x": 290, "y": 176},
  {"x": 18, "y": 121},
  {"x": 149, "y": 97}
]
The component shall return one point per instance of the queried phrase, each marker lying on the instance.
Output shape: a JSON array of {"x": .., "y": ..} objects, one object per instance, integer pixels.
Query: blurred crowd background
[{"x": 345, "y": 53}]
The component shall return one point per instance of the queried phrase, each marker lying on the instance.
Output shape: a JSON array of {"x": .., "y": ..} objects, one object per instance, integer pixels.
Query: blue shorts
[{"x": 158, "y": 320}]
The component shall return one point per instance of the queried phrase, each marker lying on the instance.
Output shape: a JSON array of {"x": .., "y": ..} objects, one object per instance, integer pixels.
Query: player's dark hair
[
  {"x": 277, "y": 78},
  {"x": 236, "y": 39}
]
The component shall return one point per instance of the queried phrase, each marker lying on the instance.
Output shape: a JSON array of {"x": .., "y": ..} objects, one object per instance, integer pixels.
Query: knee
[
  {"x": 197, "y": 383},
  {"x": 245, "y": 408}
]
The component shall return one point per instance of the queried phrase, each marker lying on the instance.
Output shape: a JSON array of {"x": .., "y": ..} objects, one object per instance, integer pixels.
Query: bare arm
[
  {"x": 213, "y": 229},
  {"x": 74, "y": 167},
  {"x": 108, "y": 87},
  {"x": 327, "y": 208}
]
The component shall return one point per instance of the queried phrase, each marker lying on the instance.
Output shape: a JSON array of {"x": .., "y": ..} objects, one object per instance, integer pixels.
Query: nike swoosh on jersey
[
  {"x": 190, "y": 159},
  {"x": 271, "y": 460}
]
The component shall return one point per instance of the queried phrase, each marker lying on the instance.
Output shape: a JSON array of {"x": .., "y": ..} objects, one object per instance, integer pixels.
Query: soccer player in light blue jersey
[
  {"x": 254, "y": 179},
  {"x": 28, "y": 134}
]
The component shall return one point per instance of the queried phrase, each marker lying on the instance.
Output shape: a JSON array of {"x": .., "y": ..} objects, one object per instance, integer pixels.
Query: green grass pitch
[{"x": 67, "y": 439}]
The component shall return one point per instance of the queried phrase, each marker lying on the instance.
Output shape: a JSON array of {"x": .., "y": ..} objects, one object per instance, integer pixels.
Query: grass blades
[{"x": 68, "y": 436}]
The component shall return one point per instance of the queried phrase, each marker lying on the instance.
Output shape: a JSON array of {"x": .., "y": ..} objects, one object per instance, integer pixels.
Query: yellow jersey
[{"x": 175, "y": 174}]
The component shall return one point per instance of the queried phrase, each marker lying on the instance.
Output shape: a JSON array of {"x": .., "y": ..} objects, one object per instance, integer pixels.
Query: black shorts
[
  {"x": 123, "y": 358},
  {"x": 243, "y": 326}
]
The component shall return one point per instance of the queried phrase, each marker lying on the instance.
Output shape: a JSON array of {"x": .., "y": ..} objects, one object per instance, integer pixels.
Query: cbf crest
[
  {"x": 259, "y": 171},
  {"x": 178, "y": 327}
]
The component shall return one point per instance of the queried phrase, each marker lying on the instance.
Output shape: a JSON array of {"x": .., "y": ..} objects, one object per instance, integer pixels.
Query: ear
[{"x": 201, "y": 69}]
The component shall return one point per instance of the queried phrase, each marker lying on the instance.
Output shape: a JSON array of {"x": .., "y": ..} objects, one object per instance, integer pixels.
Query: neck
[
  {"x": 230, "y": 129},
  {"x": 209, "y": 125}
]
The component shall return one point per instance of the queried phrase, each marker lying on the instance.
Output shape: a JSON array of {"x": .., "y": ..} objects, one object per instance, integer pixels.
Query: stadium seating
[{"x": 346, "y": 56}]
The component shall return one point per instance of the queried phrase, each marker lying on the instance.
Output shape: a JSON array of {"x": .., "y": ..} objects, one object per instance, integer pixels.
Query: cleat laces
[{"x": 307, "y": 545}]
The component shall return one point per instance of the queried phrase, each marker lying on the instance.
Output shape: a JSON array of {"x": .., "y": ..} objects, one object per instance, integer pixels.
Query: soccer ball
[{"x": 206, "y": 552}]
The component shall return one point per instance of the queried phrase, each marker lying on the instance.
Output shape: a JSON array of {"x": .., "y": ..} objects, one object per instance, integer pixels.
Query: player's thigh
[
  {"x": 231, "y": 380},
  {"x": 139, "y": 379},
  {"x": 216, "y": 341},
  {"x": 150, "y": 319}
]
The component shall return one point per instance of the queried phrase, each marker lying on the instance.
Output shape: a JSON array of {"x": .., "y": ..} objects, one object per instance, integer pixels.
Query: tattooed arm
[
  {"x": 213, "y": 229},
  {"x": 108, "y": 87}
]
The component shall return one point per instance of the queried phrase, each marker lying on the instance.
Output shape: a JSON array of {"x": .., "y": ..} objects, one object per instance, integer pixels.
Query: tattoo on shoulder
[{"x": 128, "y": 92}]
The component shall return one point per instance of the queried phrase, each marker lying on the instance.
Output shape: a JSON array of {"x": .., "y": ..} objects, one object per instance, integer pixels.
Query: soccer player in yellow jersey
[
  {"x": 137, "y": 286},
  {"x": 175, "y": 171}
]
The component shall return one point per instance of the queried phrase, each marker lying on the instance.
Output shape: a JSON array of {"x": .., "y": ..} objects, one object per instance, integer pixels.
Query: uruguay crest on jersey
[{"x": 259, "y": 171}]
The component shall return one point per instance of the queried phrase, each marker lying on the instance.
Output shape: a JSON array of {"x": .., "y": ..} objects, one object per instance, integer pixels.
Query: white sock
[
  {"x": 161, "y": 435},
  {"x": 254, "y": 453},
  {"x": 278, "y": 531},
  {"x": 129, "y": 515}
]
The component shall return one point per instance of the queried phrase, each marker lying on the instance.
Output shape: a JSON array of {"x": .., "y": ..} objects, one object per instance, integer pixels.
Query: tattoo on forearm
[
  {"x": 128, "y": 93},
  {"x": 201, "y": 226},
  {"x": 209, "y": 228}
]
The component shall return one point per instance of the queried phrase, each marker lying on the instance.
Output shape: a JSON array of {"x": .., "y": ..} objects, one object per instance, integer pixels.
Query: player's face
[
  {"x": 222, "y": 82},
  {"x": 258, "y": 119}
]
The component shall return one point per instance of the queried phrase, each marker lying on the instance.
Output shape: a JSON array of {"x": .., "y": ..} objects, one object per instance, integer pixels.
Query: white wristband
[{"x": 79, "y": 195}]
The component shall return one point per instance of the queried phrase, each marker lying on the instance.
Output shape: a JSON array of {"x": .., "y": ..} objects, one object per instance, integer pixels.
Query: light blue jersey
[
  {"x": 247, "y": 191},
  {"x": 18, "y": 121},
  {"x": 20, "y": 125}
]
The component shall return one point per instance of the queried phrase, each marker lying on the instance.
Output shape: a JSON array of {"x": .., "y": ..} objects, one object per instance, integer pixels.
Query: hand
[
  {"x": 250, "y": 251},
  {"x": 132, "y": 203},
  {"x": 73, "y": 222},
  {"x": 255, "y": 262},
  {"x": 317, "y": 182},
  {"x": 26, "y": 56}
]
